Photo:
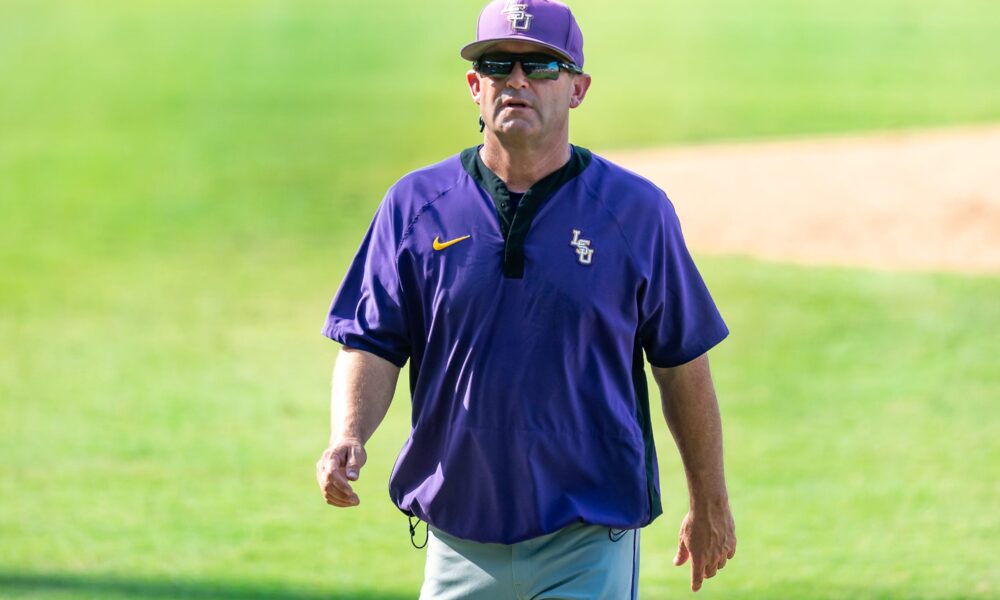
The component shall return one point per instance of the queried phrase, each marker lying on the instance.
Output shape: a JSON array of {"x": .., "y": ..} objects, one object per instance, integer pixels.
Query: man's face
[{"x": 540, "y": 106}]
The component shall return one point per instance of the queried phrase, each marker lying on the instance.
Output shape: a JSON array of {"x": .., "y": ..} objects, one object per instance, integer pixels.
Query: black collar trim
[{"x": 514, "y": 225}]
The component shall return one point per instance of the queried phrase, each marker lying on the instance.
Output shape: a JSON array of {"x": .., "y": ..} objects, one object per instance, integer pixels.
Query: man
[{"x": 524, "y": 279}]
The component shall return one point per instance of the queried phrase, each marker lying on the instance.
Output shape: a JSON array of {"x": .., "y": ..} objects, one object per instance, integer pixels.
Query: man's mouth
[{"x": 515, "y": 104}]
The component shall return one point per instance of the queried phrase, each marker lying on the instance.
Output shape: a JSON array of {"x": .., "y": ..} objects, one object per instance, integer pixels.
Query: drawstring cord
[
  {"x": 614, "y": 536},
  {"x": 413, "y": 532}
]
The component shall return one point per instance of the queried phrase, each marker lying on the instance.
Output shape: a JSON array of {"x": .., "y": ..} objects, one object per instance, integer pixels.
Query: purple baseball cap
[{"x": 544, "y": 22}]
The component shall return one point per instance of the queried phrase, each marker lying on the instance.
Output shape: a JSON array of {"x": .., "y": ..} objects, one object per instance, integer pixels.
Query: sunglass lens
[
  {"x": 541, "y": 70},
  {"x": 495, "y": 68}
]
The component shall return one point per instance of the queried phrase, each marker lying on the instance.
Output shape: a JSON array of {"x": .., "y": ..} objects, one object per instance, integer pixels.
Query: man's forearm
[
  {"x": 692, "y": 414},
  {"x": 361, "y": 392}
]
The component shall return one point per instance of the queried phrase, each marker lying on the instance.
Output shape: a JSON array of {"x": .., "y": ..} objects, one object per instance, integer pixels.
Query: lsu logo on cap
[
  {"x": 519, "y": 20},
  {"x": 585, "y": 254}
]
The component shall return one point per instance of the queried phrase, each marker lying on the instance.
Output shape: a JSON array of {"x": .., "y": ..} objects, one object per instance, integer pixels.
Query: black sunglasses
[{"x": 535, "y": 66}]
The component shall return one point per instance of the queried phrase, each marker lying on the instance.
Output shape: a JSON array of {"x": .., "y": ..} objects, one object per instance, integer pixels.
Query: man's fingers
[
  {"x": 342, "y": 497},
  {"x": 339, "y": 493},
  {"x": 356, "y": 459},
  {"x": 732, "y": 553},
  {"x": 710, "y": 571},
  {"x": 697, "y": 573},
  {"x": 334, "y": 499},
  {"x": 337, "y": 481},
  {"x": 340, "y": 503},
  {"x": 335, "y": 475},
  {"x": 722, "y": 563},
  {"x": 339, "y": 499},
  {"x": 682, "y": 554}
]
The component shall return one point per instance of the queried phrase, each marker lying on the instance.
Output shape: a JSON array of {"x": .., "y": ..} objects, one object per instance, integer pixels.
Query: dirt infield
[{"x": 911, "y": 200}]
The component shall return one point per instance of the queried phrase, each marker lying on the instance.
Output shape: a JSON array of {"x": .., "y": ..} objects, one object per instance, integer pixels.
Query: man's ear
[
  {"x": 475, "y": 85},
  {"x": 581, "y": 83}
]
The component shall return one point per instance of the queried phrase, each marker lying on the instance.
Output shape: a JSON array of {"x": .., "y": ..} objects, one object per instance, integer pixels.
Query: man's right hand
[{"x": 340, "y": 464}]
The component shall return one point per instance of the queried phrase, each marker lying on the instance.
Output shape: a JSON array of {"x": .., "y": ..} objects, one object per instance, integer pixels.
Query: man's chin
[{"x": 517, "y": 128}]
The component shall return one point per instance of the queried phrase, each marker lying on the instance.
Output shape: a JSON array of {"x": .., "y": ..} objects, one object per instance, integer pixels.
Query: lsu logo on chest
[{"x": 584, "y": 253}]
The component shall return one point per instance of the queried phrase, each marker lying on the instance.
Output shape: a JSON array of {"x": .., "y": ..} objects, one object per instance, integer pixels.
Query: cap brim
[{"x": 476, "y": 49}]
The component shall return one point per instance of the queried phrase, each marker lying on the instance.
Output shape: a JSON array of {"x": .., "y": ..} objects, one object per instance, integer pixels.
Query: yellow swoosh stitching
[{"x": 438, "y": 245}]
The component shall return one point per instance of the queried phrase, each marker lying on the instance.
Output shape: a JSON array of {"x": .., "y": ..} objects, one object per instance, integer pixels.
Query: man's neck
[{"x": 520, "y": 167}]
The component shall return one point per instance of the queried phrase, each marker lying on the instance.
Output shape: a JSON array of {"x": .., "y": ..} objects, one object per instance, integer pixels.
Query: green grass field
[{"x": 182, "y": 185}]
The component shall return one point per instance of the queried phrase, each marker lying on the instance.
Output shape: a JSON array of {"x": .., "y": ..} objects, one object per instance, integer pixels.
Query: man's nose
[{"x": 517, "y": 78}]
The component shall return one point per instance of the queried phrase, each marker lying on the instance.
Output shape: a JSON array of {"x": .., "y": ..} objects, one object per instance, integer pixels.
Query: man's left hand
[{"x": 708, "y": 538}]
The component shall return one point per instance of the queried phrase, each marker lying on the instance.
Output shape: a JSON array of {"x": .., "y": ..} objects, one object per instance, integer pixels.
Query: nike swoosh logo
[{"x": 439, "y": 245}]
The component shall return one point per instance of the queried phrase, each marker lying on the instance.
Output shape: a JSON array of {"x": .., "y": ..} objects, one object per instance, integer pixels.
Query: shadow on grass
[
  {"x": 99, "y": 586},
  {"x": 823, "y": 590}
]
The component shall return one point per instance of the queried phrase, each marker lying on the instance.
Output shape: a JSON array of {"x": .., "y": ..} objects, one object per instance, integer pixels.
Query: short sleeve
[
  {"x": 678, "y": 319},
  {"x": 368, "y": 312}
]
